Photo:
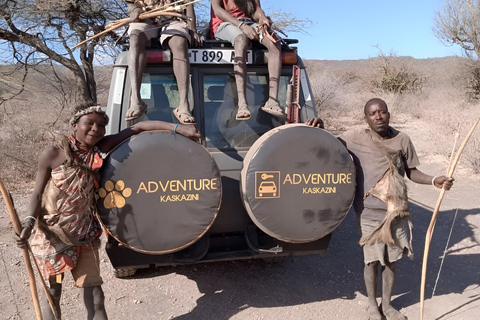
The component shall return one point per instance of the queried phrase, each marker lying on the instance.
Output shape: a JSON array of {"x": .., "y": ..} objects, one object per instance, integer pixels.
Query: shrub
[
  {"x": 397, "y": 77},
  {"x": 472, "y": 155},
  {"x": 473, "y": 83}
]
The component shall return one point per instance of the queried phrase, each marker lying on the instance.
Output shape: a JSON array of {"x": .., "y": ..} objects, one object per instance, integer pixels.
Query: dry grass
[
  {"x": 34, "y": 118},
  {"x": 433, "y": 113}
]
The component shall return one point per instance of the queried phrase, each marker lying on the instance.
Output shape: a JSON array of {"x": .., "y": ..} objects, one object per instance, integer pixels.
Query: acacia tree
[
  {"x": 41, "y": 31},
  {"x": 459, "y": 23}
]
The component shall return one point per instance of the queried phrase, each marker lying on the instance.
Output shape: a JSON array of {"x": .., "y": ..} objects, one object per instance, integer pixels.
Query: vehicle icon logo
[{"x": 267, "y": 184}]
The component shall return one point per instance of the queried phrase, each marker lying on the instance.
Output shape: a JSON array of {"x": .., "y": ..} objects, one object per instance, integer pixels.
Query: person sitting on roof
[
  {"x": 174, "y": 33},
  {"x": 239, "y": 22}
]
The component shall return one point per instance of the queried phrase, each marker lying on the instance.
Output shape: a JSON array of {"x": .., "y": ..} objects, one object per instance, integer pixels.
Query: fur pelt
[
  {"x": 246, "y": 6},
  {"x": 391, "y": 189}
]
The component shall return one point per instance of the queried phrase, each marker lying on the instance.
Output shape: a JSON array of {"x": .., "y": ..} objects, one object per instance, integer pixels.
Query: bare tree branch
[
  {"x": 459, "y": 23},
  {"x": 44, "y": 30}
]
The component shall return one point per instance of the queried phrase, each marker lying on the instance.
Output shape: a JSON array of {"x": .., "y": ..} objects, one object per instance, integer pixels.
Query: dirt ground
[{"x": 301, "y": 287}]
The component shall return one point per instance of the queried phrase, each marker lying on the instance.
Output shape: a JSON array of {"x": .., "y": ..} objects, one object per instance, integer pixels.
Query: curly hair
[{"x": 94, "y": 109}]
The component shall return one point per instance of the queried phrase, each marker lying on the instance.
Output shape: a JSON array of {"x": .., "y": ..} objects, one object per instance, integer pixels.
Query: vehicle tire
[
  {"x": 159, "y": 192},
  {"x": 124, "y": 272},
  {"x": 314, "y": 177}
]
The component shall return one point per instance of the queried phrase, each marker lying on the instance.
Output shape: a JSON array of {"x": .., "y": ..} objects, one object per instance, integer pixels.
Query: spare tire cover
[
  {"x": 297, "y": 183},
  {"x": 159, "y": 192}
]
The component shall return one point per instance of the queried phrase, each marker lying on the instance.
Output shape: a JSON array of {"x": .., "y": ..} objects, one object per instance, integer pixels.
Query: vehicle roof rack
[
  {"x": 210, "y": 43},
  {"x": 290, "y": 41}
]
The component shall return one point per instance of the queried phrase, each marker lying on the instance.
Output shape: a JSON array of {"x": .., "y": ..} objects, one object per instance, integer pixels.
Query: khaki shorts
[
  {"x": 163, "y": 30},
  {"x": 387, "y": 252},
  {"x": 227, "y": 31}
]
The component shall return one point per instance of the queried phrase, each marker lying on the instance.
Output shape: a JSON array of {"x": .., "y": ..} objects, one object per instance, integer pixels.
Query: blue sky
[{"x": 347, "y": 29}]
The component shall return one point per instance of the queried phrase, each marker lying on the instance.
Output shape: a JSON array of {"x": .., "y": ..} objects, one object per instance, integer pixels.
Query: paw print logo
[{"x": 114, "y": 194}]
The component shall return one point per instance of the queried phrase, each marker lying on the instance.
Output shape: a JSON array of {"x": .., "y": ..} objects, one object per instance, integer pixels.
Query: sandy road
[{"x": 305, "y": 287}]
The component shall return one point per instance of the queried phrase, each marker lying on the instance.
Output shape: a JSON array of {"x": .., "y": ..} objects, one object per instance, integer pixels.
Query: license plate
[{"x": 216, "y": 56}]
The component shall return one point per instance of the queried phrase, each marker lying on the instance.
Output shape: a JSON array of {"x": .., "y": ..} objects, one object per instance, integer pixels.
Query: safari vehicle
[{"x": 232, "y": 230}]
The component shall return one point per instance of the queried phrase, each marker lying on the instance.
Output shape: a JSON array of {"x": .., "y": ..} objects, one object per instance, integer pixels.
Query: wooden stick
[
  {"x": 457, "y": 136},
  {"x": 45, "y": 288},
  {"x": 172, "y": 4},
  {"x": 18, "y": 229},
  {"x": 429, "y": 234},
  {"x": 146, "y": 15},
  {"x": 165, "y": 7},
  {"x": 151, "y": 11},
  {"x": 15, "y": 218},
  {"x": 122, "y": 23}
]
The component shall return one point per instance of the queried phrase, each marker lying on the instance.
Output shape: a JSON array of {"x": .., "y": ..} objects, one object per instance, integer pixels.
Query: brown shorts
[
  {"x": 87, "y": 270},
  {"x": 163, "y": 30},
  {"x": 387, "y": 252}
]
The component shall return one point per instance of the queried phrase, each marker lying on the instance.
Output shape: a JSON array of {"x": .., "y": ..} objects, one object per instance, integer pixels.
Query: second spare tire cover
[
  {"x": 297, "y": 183},
  {"x": 159, "y": 192}
]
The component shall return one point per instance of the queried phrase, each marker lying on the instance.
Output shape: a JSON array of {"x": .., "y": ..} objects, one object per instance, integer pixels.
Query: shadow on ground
[
  {"x": 458, "y": 273},
  {"x": 230, "y": 287}
]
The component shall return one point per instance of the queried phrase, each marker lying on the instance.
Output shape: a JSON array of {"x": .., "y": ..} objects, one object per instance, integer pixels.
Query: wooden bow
[{"x": 428, "y": 236}]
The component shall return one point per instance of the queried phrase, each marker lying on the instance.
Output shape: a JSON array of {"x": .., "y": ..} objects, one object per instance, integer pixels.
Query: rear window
[
  {"x": 219, "y": 104},
  {"x": 160, "y": 93}
]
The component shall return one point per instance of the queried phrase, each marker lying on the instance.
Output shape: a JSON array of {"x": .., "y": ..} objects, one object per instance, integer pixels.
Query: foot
[
  {"x": 135, "y": 111},
  {"x": 184, "y": 116},
  {"x": 391, "y": 314},
  {"x": 272, "y": 107},
  {"x": 374, "y": 313},
  {"x": 243, "y": 113}
]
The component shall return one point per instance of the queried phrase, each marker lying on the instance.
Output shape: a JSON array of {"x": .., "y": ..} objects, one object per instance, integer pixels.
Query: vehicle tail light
[
  {"x": 289, "y": 58},
  {"x": 159, "y": 56}
]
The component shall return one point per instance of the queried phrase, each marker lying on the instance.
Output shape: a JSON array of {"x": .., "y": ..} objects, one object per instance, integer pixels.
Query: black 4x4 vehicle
[{"x": 250, "y": 189}]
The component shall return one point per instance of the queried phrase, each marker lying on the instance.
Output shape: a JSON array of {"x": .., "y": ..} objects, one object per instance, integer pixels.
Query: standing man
[
  {"x": 175, "y": 34},
  {"x": 383, "y": 155},
  {"x": 239, "y": 22}
]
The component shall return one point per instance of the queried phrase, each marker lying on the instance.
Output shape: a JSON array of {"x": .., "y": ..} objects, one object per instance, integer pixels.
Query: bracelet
[
  {"x": 240, "y": 25},
  {"x": 30, "y": 217},
  {"x": 29, "y": 221},
  {"x": 175, "y": 129},
  {"x": 433, "y": 180}
]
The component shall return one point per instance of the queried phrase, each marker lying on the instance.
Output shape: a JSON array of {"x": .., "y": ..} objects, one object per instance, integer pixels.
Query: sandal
[
  {"x": 135, "y": 111},
  {"x": 272, "y": 107},
  {"x": 245, "y": 111},
  {"x": 184, "y": 117}
]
